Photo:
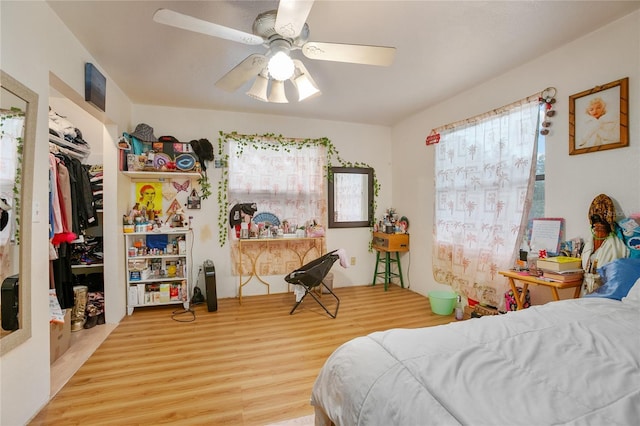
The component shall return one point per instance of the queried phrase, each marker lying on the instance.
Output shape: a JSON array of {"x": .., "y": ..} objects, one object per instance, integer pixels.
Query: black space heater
[
  {"x": 210, "y": 285},
  {"x": 9, "y": 295}
]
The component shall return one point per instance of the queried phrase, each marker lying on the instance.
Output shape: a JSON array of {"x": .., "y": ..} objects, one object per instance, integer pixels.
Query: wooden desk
[
  {"x": 387, "y": 244},
  {"x": 528, "y": 279},
  {"x": 251, "y": 250}
]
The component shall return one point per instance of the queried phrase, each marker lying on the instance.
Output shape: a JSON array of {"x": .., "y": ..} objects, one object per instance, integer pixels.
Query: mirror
[
  {"x": 18, "y": 114},
  {"x": 350, "y": 197}
]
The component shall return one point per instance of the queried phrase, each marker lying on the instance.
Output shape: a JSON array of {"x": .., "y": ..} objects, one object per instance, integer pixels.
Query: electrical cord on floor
[{"x": 175, "y": 315}]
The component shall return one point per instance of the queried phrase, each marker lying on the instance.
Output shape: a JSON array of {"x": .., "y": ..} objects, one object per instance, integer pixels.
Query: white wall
[
  {"x": 34, "y": 42},
  {"x": 354, "y": 142},
  {"x": 607, "y": 54},
  {"x": 42, "y": 45}
]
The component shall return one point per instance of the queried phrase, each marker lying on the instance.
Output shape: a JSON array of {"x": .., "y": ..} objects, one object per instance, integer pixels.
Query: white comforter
[{"x": 569, "y": 362}]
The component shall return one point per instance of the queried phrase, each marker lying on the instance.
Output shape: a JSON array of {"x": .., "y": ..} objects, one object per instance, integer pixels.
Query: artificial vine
[
  {"x": 276, "y": 143},
  {"x": 205, "y": 186}
]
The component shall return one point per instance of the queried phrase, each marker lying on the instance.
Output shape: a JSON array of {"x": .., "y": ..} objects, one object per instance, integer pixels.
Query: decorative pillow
[
  {"x": 634, "y": 294},
  {"x": 617, "y": 278}
]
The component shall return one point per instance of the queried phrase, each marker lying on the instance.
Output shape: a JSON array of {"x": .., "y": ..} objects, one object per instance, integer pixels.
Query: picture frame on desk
[
  {"x": 546, "y": 233},
  {"x": 599, "y": 118}
]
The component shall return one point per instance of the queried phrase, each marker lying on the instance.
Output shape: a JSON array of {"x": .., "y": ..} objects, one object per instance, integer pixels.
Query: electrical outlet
[
  {"x": 353, "y": 261},
  {"x": 35, "y": 214}
]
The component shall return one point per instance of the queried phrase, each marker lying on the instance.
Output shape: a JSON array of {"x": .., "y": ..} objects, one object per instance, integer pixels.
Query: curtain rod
[{"x": 536, "y": 96}]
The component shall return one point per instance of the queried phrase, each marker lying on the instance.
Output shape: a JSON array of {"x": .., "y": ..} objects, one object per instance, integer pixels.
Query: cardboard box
[{"x": 60, "y": 337}]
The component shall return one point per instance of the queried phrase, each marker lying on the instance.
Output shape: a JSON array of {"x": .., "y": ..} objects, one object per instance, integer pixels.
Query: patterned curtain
[{"x": 484, "y": 177}]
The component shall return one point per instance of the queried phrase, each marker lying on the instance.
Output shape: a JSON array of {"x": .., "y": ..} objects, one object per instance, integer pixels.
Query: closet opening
[{"x": 79, "y": 238}]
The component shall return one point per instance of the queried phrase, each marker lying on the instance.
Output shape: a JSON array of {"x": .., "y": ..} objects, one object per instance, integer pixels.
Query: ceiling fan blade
[
  {"x": 352, "y": 53},
  {"x": 291, "y": 17},
  {"x": 186, "y": 22},
  {"x": 250, "y": 67}
]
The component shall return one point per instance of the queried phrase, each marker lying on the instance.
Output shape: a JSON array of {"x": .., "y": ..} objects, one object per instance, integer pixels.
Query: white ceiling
[{"x": 443, "y": 48}]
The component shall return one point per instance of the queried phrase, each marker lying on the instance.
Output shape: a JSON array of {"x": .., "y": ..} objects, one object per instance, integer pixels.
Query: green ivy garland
[
  {"x": 205, "y": 185},
  {"x": 16, "y": 112},
  {"x": 276, "y": 143}
]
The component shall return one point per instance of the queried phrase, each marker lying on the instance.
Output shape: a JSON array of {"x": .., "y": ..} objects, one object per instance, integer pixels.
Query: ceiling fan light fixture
[
  {"x": 281, "y": 31},
  {"x": 303, "y": 82},
  {"x": 280, "y": 66},
  {"x": 259, "y": 88},
  {"x": 306, "y": 87},
  {"x": 277, "y": 94}
]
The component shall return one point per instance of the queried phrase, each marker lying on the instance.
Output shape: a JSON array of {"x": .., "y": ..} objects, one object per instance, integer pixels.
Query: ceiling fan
[{"x": 281, "y": 31}]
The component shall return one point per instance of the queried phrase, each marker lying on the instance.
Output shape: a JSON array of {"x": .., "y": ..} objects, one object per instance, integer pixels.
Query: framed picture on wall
[{"x": 599, "y": 118}]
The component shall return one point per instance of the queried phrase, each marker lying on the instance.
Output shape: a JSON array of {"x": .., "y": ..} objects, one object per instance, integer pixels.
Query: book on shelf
[
  {"x": 141, "y": 291},
  {"x": 559, "y": 263},
  {"x": 165, "y": 293},
  {"x": 564, "y": 276}
]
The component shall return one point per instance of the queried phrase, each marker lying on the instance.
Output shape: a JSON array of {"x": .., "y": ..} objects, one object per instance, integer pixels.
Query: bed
[{"x": 573, "y": 361}]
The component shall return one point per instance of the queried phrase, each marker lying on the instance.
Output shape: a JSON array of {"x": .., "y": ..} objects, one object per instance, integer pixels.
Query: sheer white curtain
[
  {"x": 484, "y": 176},
  {"x": 289, "y": 183}
]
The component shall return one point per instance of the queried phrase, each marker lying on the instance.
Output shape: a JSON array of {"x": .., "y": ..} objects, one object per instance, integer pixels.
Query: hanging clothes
[
  {"x": 63, "y": 276},
  {"x": 62, "y": 217},
  {"x": 83, "y": 198},
  {"x": 54, "y": 201},
  {"x": 71, "y": 206}
]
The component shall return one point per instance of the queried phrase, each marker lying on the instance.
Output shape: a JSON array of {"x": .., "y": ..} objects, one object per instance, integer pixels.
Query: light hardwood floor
[
  {"x": 84, "y": 342},
  {"x": 249, "y": 364}
]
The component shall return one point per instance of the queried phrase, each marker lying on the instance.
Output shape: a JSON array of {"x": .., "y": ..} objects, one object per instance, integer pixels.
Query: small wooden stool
[
  {"x": 387, "y": 274},
  {"x": 386, "y": 244}
]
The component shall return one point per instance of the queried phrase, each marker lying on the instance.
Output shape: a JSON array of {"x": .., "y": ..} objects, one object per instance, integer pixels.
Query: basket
[{"x": 442, "y": 302}]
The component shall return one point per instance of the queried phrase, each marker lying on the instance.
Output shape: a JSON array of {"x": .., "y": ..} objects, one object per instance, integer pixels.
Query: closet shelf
[
  {"x": 69, "y": 148},
  {"x": 93, "y": 265}
]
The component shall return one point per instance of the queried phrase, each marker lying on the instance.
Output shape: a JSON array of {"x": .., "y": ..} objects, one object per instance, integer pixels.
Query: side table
[{"x": 528, "y": 279}]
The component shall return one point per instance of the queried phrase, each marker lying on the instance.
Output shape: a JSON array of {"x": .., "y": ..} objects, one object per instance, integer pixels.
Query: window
[
  {"x": 538, "y": 204},
  {"x": 289, "y": 183},
  {"x": 485, "y": 170},
  {"x": 350, "y": 197}
]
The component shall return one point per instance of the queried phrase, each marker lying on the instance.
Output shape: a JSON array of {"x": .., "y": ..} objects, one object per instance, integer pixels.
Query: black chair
[{"x": 311, "y": 276}]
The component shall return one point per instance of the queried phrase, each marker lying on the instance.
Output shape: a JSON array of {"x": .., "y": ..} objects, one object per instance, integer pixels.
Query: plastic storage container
[{"x": 442, "y": 302}]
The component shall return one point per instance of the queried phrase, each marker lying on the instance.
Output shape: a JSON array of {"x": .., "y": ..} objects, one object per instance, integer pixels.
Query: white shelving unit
[
  {"x": 161, "y": 175},
  {"x": 157, "y": 268}
]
